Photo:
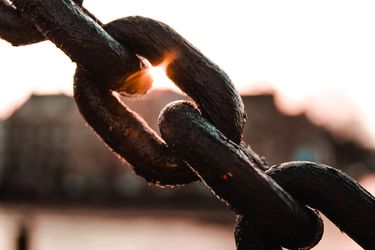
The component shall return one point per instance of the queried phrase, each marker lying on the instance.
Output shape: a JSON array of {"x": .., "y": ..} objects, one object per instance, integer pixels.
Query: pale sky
[{"x": 319, "y": 55}]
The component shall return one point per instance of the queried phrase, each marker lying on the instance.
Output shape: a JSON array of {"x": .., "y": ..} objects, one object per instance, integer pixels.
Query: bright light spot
[
  {"x": 149, "y": 76},
  {"x": 159, "y": 76}
]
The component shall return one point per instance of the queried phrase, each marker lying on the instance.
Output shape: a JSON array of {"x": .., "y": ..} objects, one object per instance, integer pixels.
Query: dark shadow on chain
[{"x": 248, "y": 236}]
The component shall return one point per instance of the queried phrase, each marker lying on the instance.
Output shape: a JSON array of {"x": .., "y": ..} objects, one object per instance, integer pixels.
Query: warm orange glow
[
  {"x": 141, "y": 81},
  {"x": 137, "y": 84},
  {"x": 159, "y": 75}
]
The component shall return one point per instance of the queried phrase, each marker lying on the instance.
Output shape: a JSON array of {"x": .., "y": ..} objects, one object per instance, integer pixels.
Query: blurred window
[{"x": 305, "y": 154}]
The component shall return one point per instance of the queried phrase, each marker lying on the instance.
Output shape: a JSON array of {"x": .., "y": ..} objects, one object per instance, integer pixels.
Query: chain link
[{"x": 200, "y": 140}]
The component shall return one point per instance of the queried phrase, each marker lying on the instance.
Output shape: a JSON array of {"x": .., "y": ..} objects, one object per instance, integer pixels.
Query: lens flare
[
  {"x": 140, "y": 82},
  {"x": 136, "y": 84},
  {"x": 159, "y": 76}
]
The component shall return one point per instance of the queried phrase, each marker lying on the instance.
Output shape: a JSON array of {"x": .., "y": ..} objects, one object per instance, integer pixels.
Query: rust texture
[
  {"x": 332, "y": 192},
  {"x": 20, "y": 31},
  {"x": 213, "y": 156},
  {"x": 201, "y": 140}
]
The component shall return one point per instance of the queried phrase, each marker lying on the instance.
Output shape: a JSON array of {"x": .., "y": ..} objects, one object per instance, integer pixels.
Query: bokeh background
[{"x": 304, "y": 70}]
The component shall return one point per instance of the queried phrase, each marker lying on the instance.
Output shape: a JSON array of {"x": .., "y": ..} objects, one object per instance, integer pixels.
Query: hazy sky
[{"x": 317, "y": 54}]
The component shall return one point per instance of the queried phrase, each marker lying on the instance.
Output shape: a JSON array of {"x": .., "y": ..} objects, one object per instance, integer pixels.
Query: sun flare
[
  {"x": 159, "y": 76},
  {"x": 159, "y": 73},
  {"x": 140, "y": 82}
]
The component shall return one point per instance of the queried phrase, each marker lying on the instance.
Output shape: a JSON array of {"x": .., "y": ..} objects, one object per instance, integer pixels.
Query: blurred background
[{"x": 305, "y": 73}]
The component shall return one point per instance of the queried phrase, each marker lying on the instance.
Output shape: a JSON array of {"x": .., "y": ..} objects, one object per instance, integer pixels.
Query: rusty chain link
[{"x": 200, "y": 140}]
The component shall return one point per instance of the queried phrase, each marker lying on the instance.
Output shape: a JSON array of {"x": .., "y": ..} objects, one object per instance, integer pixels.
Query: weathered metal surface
[
  {"x": 201, "y": 144},
  {"x": 227, "y": 171},
  {"x": 339, "y": 197}
]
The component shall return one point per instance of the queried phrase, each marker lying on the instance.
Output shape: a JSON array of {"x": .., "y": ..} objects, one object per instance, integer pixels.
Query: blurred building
[
  {"x": 49, "y": 152},
  {"x": 282, "y": 138}
]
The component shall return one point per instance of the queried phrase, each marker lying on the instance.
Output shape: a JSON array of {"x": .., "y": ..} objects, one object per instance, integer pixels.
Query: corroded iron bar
[
  {"x": 81, "y": 38},
  {"x": 196, "y": 75},
  {"x": 248, "y": 236},
  {"x": 20, "y": 31},
  {"x": 124, "y": 132},
  {"x": 127, "y": 134},
  {"x": 15, "y": 29},
  {"x": 339, "y": 197},
  {"x": 227, "y": 171}
]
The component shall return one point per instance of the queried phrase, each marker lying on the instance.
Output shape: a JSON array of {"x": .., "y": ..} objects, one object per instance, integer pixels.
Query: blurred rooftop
[{"x": 50, "y": 154}]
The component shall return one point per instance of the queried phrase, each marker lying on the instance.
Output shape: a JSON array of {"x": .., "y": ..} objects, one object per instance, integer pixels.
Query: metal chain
[{"x": 200, "y": 140}]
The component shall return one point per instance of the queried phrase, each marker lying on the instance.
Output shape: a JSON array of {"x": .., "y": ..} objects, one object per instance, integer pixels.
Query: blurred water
[
  {"x": 91, "y": 230},
  {"x": 55, "y": 229}
]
